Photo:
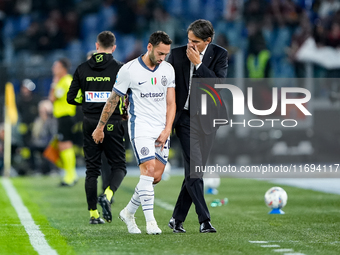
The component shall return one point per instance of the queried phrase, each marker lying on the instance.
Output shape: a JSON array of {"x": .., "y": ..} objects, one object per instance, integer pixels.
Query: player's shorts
[
  {"x": 144, "y": 149},
  {"x": 65, "y": 125}
]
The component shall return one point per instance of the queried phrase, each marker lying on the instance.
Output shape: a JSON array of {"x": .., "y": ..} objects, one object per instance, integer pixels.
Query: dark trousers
[
  {"x": 195, "y": 147},
  {"x": 114, "y": 149}
]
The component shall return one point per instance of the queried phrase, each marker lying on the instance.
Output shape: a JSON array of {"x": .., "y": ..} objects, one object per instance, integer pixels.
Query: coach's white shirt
[{"x": 147, "y": 90}]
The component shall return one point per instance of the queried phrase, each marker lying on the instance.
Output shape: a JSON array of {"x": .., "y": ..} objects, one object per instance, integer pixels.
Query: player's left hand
[
  {"x": 98, "y": 135},
  {"x": 162, "y": 138}
]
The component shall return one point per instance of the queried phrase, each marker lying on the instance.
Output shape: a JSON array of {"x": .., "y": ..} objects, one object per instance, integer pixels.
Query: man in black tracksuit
[{"x": 91, "y": 86}]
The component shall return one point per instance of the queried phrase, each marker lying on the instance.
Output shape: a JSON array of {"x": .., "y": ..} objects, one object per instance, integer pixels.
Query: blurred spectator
[
  {"x": 44, "y": 128},
  {"x": 333, "y": 37},
  {"x": 319, "y": 33},
  {"x": 328, "y": 8},
  {"x": 85, "y": 7},
  {"x": 284, "y": 13},
  {"x": 70, "y": 26},
  {"x": 302, "y": 33},
  {"x": 258, "y": 59},
  {"x": 23, "y": 6},
  {"x": 27, "y": 105},
  {"x": 107, "y": 15},
  {"x": 51, "y": 37},
  {"x": 254, "y": 11},
  {"x": 136, "y": 51},
  {"x": 27, "y": 40},
  {"x": 233, "y": 10},
  {"x": 127, "y": 18},
  {"x": 222, "y": 40},
  {"x": 161, "y": 20}
]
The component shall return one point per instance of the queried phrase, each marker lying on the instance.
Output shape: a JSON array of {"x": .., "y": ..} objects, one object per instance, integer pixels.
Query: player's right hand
[{"x": 98, "y": 135}]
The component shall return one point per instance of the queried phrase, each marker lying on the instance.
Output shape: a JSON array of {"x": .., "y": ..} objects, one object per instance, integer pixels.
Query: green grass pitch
[{"x": 311, "y": 224}]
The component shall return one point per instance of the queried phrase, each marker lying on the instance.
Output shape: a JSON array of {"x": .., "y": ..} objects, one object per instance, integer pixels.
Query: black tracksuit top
[{"x": 98, "y": 74}]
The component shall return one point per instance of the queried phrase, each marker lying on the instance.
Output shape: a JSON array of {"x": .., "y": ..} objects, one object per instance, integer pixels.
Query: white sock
[
  {"x": 134, "y": 203},
  {"x": 146, "y": 196}
]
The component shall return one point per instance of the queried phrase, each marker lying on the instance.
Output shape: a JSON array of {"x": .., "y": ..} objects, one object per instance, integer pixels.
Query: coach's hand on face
[
  {"x": 98, "y": 135},
  {"x": 193, "y": 54}
]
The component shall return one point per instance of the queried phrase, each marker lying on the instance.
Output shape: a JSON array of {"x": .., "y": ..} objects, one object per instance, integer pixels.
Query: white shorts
[{"x": 144, "y": 149}]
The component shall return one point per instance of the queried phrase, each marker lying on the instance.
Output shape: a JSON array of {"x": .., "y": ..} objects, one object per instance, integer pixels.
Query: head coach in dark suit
[{"x": 198, "y": 59}]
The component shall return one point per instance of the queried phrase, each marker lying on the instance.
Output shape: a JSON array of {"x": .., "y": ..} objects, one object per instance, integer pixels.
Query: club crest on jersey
[
  {"x": 97, "y": 96},
  {"x": 144, "y": 151},
  {"x": 164, "y": 81},
  {"x": 99, "y": 58},
  {"x": 153, "y": 81}
]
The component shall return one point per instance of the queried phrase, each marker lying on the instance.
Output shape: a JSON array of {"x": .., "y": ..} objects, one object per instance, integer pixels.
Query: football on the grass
[{"x": 276, "y": 197}]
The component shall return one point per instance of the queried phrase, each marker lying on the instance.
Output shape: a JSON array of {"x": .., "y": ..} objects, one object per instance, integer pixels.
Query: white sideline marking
[
  {"x": 37, "y": 238},
  {"x": 270, "y": 245},
  {"x": 258, "y": 241},
  {"x": 164, "y": 205},
  {"x": 294, "y": 253},
  {"x": 282, "y": 250}
]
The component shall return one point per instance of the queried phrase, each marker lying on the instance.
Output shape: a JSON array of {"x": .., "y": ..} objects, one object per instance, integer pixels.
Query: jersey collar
[{"x": 144, "y": 65}]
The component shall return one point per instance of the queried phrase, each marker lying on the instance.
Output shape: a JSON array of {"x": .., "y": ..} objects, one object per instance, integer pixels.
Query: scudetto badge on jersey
[{"x": 97, "y": 96}]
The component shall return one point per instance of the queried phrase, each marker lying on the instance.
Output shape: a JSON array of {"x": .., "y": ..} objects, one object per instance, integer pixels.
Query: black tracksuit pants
[{"x": 114, "y": 149}]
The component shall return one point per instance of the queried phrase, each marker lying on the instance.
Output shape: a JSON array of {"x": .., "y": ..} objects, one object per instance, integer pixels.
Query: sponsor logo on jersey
[
  {"x": 150, "y": 94},
  {"x": 98, "y": 79},
  {"x": 97, "y": 96}
]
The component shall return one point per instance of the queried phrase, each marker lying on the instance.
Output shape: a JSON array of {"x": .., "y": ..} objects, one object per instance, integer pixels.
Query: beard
[{"x": 153, "y": 58}]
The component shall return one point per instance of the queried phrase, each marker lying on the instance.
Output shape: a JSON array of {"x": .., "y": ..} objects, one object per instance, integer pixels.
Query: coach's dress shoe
[
  {"x": 176, "y": 225},
  {"x": 206, "y": 227},
  {"x": 178, "y": 228},
  {"x": 171, "y": 223}
]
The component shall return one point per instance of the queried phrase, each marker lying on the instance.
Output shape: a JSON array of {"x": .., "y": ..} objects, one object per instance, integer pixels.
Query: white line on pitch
[
  {"x": 258, "y": 241},
  {"x": 164, "y": 205},
  {"x": 294, "y": 253},
  {"x": 37, "y": 238},
  {"x": 283, "y": 250},
  {"x": 270, "y": 246}
]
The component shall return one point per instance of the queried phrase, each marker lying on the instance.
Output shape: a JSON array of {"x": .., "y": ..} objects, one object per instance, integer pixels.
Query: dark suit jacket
[{"x": 214, "y": 65}]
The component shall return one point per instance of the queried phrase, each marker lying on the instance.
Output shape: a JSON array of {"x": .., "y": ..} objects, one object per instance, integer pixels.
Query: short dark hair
[
  {"x": 65, "y": 62},
  {"x": 202, "y": 29},
  {"x": 106, "y": 39},
  {"x": 159, "y": 37}
]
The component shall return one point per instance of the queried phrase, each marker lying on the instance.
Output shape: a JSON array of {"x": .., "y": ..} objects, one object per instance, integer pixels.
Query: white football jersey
[{"x": 147, "y": 90}]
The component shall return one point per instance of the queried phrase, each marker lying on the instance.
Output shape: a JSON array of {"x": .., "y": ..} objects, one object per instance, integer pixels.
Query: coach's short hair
[
  {"x": 202, "y": 29},
  {"x": 159, "y": 37},
  {"x": 106, "y": 39}
]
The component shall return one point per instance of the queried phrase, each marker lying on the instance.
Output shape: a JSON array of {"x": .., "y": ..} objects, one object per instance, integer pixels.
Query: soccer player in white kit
[{"x": 149, "y": 82}]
